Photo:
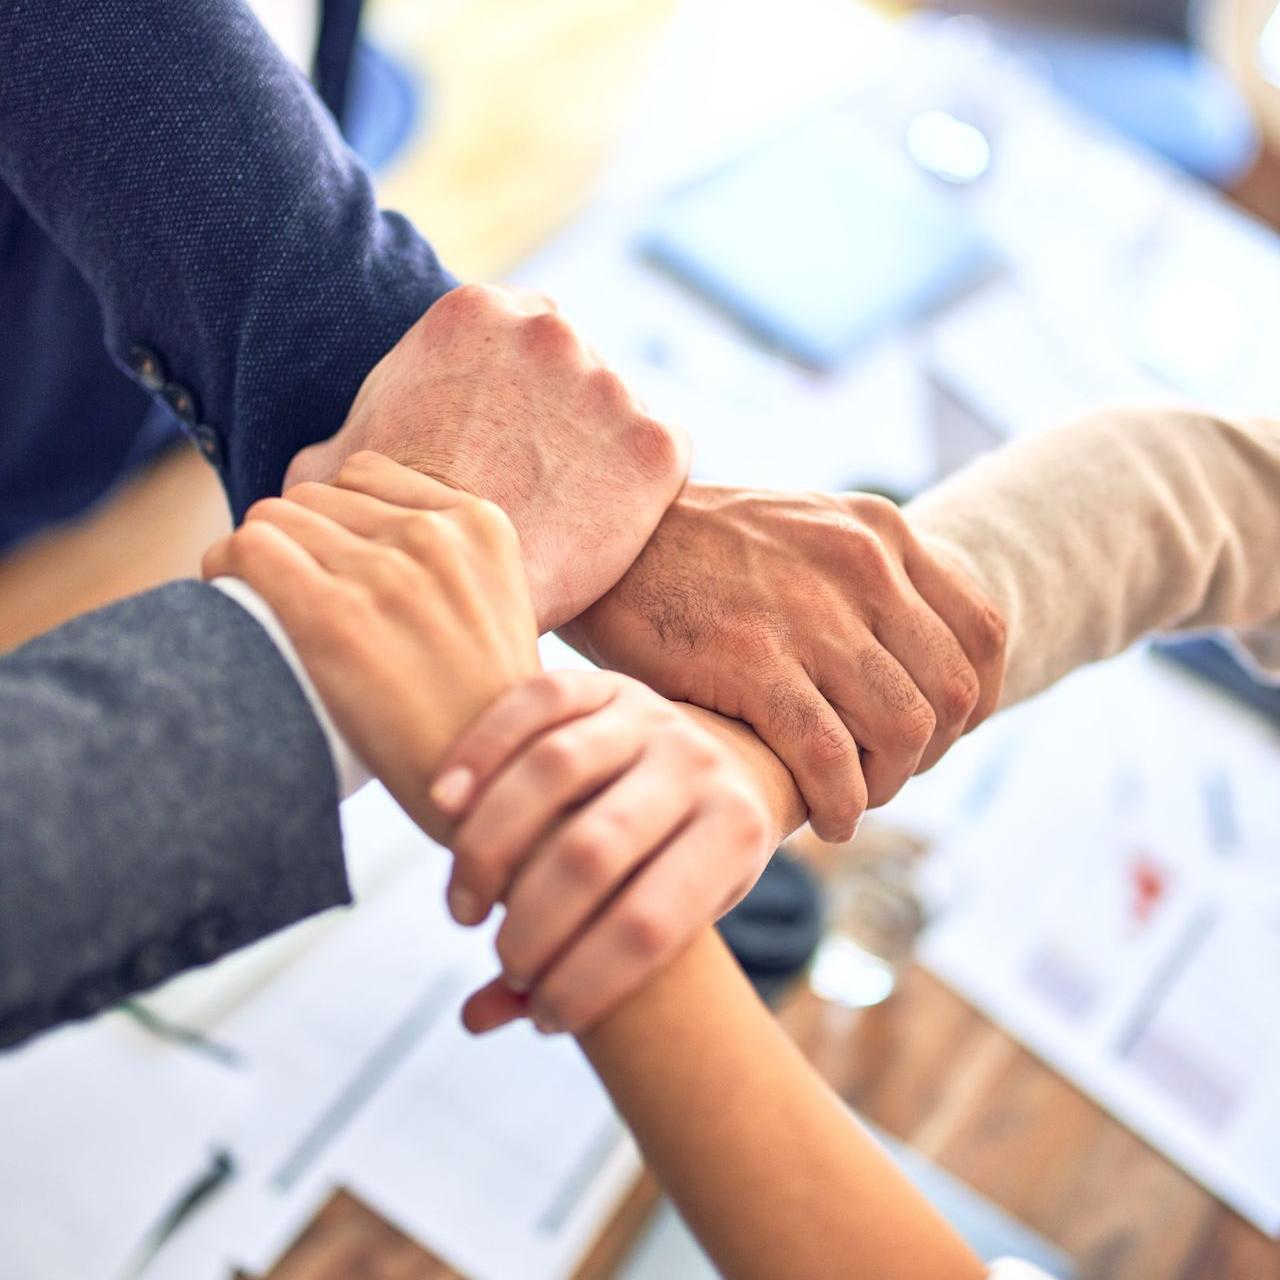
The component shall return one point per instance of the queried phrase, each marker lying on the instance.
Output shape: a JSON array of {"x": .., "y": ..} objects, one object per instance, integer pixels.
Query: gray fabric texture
[{"x": 166, "y": 796}]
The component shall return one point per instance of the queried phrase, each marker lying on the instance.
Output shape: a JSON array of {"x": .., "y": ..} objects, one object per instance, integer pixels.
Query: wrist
[{"x": 349, "y": 770}]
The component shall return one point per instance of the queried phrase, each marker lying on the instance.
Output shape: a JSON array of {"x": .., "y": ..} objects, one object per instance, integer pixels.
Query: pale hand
[{"x": 494, "y": 393}]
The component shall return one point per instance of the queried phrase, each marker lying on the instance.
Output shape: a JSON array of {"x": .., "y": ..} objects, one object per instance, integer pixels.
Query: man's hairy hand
[
  {"x": 820, "y": 620},
  {"x": 495, "y": 394}
]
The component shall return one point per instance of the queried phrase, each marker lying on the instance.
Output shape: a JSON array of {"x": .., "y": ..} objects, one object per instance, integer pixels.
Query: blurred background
[{"x": 847, "y": 245}]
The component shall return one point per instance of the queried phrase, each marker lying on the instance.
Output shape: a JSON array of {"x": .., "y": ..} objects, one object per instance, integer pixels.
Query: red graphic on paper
[{"x": 1150, "y": 887}]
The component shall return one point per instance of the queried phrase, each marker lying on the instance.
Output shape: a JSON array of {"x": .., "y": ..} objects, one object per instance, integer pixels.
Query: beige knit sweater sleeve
[{"x": 1123, "y": 523}]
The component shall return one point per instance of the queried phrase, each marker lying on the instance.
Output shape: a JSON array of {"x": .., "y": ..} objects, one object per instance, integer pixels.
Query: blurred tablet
[
  {"x": 1214, "y": 660},
  {"x": 819, "y": 239}
]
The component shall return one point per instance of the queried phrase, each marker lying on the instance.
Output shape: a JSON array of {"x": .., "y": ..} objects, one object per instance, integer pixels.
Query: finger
[
  {"x": 507, "y": 725},
  {"x": 660, "y": 912},
  {"x": 536, "y": 789},
  {"x": 493, "y": 1006},
  {"x": 804, "y": 731},
  {"x": 977, "y": 626},
  {"x": 886, "y": 713},
  {"x": 214, "y": 563},
  {"x": 357, "y": 512},
  {"x": 281, "y": 571},
  {"x": 581, "y": 866},
  {"x": 336, "y": 548},
  {"x": 936, "y": 664},
  {"x": 378, "y": 476}
]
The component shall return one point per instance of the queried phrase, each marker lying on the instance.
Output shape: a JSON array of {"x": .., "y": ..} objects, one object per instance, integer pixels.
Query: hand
[
  {"x": 853, "y": 651},
  {"x": 407, "y": 603},
  {"x": 492, "y": 392},
  {"x": 614, "y": 829}
]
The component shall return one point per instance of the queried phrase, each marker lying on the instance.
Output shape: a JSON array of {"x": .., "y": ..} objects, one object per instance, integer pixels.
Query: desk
[
  {"x": 925, "y": 1066},
  {"x": 929, "y": 1069}
]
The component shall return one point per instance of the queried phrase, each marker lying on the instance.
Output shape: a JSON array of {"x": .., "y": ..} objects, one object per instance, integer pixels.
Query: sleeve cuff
[{"x": 350, "y": 771}]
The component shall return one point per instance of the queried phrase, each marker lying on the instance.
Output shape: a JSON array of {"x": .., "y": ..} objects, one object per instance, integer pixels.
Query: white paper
[
  {"x": 103, "y": 1130},
  {"x": 1117, "y": 908},
  {"x": 503, "y": 1155}
]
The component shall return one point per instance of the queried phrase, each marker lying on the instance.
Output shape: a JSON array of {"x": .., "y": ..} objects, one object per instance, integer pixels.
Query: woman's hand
[
  {"x": 407, "y": 602},
  {"x": 612, "y": 826}
]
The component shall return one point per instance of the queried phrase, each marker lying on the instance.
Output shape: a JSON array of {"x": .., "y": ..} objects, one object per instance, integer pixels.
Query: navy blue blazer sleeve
[
  {"x": 244, "y": 270},
  {"x": 166, "y": 796}
]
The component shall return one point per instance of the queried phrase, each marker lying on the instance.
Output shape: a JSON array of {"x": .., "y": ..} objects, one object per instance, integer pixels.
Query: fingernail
[
  {"x": 465, "y": 905},
  {"x": 518, "y": 985},
  {"x": 453, "y": 788},
  {"x": 548, "y": 1025}
]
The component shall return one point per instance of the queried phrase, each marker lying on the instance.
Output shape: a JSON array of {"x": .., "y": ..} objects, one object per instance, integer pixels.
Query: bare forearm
[
  {"x": 768, "y": 1167},
  {"x": 1123, "y": 523}
]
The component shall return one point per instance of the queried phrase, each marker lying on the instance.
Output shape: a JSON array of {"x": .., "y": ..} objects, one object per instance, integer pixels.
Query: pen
[{"x": 220, "y": 1170}]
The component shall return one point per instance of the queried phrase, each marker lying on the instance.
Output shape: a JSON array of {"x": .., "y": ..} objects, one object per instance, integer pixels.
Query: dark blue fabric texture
[{"x": 170, "y": 180}]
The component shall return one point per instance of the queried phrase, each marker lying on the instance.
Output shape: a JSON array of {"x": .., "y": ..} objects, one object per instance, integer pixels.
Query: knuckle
[
  {"x": 831, "y": 745},
  {"x": 696, "y": 751},
  {"x": 419, "y": 533},
  {"x": 836, "y": 817},
  {"x": 701, "y": 755},
  {"x": 263, "y": 509},
  {"x": 869, "y": 556},
  {"x": 490, "y": 523},
  {"x": 584, "y": 854},
  {"x": 227, "y": 556},
  {"x": 391, "y": 579},
  {"x": 477, "y": 866},
  {"x": 881, "y": 513},
  {"x": 549, "y": 333},
  {"x": 991, "y": 633},
  {"x": 217, "y": 554},
  {"x": 250, "y": 542},
  {"x": 755, "y": 642},
  {"x": 644, "y": 931},
  {"x": 958, "y": 695},
  {"x": 304, "y": 491},
  {"x": 608, "y": 388},
  {"x": 918, "y": 723},
  {"x": 753, "y": 819},
  {"x": 746, "y": 815},
  {"x": 555, "y": 757},
  {"x": 653, "y": 445},
  {"x": 554, "y": 691}
]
